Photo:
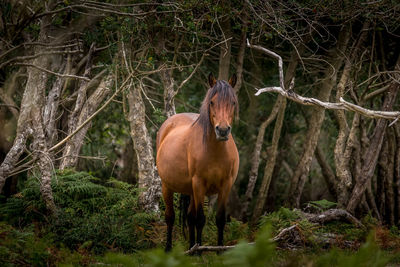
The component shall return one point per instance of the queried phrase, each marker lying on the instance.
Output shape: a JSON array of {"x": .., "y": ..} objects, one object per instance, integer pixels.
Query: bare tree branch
[
  {"x": 274, "y": 55},
  {"x": 23, "y": 58},
  {"x": 309, "y": 101},
  {"x": 54, "y": 73}
]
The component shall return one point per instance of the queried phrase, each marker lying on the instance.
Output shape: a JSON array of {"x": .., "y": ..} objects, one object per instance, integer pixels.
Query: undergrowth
[{"x": 101, "y": 224}]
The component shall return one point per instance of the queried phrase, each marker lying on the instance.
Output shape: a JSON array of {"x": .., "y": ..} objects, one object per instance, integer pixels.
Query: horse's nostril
[
  {"x": 217, "y": 128},
  {"x": 229, "y": 128}
]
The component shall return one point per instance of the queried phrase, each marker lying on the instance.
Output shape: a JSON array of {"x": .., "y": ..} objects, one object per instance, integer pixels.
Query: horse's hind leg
[{"x": 168, "y": 196}]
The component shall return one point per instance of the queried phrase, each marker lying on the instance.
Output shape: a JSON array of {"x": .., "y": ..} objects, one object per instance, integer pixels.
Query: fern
[{"x": 322, "y": 205}]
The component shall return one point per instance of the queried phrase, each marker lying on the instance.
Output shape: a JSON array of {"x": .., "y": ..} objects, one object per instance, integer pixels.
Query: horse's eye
[
  {"x": 212, "y": 103},
  {"x": 234, "y": 103}
]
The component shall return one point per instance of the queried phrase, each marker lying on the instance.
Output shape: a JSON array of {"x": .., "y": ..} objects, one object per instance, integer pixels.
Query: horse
[{"x": 197, "y": 157}]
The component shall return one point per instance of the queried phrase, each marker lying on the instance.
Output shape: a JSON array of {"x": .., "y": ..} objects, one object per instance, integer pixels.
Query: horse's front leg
[
  {"x": 191, "y": 219},
  {"x": 198, "y": 202},
  {"x": 168, "y": 196},
  {"x": 221, "y": 212}
]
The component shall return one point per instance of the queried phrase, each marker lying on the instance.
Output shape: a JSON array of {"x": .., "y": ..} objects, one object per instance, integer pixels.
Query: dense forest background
[{"x": 85, "y": 85}]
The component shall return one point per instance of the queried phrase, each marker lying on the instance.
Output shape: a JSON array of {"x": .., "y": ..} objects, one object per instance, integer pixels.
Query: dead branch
[
  {"x": 198, "y": 248},
  {"x": 309, "y": 101},
  {"x": 275, "y": 55},
  {"x": 283, "y": 232},
  {"x": 331, "y": 215}
]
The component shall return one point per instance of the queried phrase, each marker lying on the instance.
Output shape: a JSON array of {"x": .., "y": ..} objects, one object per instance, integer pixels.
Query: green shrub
[
  {"x": 23, "y": 248},
  {"x": 105, "y": 215}
]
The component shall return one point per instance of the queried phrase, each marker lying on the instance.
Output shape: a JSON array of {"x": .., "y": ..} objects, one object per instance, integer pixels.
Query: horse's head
[{"x": 222, "y": 106}]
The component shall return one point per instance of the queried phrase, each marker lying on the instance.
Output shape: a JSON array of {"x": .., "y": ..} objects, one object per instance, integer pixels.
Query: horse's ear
[
  {"x": 232, "y": 80},
  {"x": 211, "y": 80}
]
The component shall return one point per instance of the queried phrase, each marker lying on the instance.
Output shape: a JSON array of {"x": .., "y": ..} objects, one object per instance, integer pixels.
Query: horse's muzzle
[{"x": 222, "y": 133}]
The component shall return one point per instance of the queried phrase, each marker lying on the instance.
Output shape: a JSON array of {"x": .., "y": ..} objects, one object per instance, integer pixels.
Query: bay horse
[{"x": 197, "y": 156}]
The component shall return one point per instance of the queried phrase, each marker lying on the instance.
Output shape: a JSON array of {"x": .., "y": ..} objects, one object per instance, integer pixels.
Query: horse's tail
[{"x": 184, "y": 202}]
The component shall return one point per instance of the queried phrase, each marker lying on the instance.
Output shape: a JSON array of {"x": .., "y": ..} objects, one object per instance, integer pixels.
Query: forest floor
[{"x": 99, "y": 223}]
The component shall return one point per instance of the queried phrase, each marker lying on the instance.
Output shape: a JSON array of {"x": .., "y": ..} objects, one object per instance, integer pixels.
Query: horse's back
[{"x": 173, "y": 122}]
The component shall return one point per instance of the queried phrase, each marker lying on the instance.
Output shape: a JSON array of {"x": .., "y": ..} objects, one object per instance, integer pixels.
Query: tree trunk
[
  {"x": 381, "y": 177},
  {"x": 241, "y": 53},
  {"x": 51, "y": 108},
  {"x": 128, "y": 164},
  {"x": 73, "y": 146},
  {"x": 255, "y": 162},
  {"x": 169, "y": 92},
  {"x": 397, "y": 174},
  {"x": 327, "y": 172},
  {"x": 269, "y": 167},
  {"x": 385, "y": 177},
  {"x": 149, "y": 183},
  {"x": 30, "y": 122},
  {"x": 303, "y": 167},
  {"x": 375, "y": 144},
  {"x": 390, "y": 176},
  {"x": 279, "y": 107},
  {"x": 342, "y": 159}
]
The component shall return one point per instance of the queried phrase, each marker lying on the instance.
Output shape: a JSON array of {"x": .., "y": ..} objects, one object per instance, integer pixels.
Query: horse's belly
[{"x": 172, "y": 164}]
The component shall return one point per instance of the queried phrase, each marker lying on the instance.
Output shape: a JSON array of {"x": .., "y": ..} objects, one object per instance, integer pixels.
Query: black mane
[{"x": 226, "y": 96}]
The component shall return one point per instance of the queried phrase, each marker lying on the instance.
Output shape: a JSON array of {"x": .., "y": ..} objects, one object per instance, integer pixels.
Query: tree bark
[
  {"x": 149, "y": 182},
  {"x": 303, "y": 167}
]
